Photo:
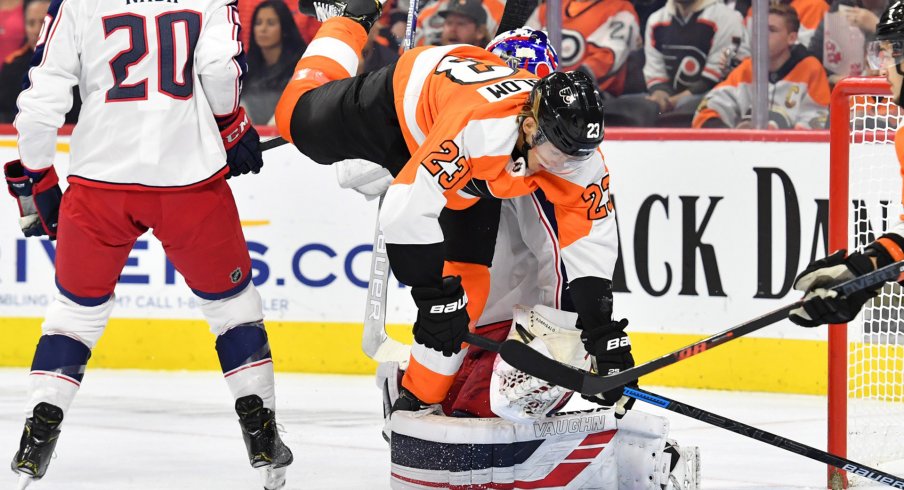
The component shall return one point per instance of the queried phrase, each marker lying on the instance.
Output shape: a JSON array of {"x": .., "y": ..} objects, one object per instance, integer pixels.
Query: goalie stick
[
  {"x": 534, "y": 363},
  {"x": 778, "y": 441}
]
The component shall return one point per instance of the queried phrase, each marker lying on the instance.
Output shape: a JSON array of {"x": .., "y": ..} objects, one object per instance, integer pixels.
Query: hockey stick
[
  {"x": 375, "y": 342},
  {"x": 272, "y": 143},
  {"x": 745, "y": 430},
  {"x": 534, "y": 363},
  {"x": 515, "y": 14}
]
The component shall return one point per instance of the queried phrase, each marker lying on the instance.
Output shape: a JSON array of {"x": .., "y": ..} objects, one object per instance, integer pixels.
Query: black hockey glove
[
  {"x": 442, "y": 317},
  {"x": 38, "y": 196},
  {"x": 242, "y": 143},
  {"x": 611, "y": 348},
  {"x": 821, "y": 304}
]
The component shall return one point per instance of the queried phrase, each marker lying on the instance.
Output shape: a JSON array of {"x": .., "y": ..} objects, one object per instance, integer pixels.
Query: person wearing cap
[{"x": 464, "y": 22}]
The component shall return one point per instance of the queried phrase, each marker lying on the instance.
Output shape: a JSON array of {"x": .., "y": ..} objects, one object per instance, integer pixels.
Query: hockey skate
[
  {"x": 364, "y": 12},
  {"x": 39, "y": 438},
  {"x": 266, "y": 451}
]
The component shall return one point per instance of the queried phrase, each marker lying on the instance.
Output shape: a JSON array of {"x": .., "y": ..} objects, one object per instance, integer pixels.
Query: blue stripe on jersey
[
  {"x": 239, "y": 287},
  {"x": 61, "y": 354},
  {"x": 241, "y": 345},
  {"x": 52, "y": 11},
  {"x": 82, "y": 300},
  {"x": 438, "y": 456},
  {"x": 549, "y": 212}
]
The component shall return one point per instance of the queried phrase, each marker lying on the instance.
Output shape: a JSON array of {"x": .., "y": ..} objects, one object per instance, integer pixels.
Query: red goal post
[{"x": 865, "y": 368}]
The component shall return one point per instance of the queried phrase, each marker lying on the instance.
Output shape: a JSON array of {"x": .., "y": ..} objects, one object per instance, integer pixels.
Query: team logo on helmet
[{"x": 567, "y": 95}]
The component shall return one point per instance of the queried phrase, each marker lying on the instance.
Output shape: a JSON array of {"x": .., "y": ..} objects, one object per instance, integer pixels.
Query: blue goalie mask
[{"x": 526, "y": 49}]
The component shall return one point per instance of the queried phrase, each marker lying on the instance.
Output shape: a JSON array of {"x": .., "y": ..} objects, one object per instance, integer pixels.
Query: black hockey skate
[
  {"x": 266, "y": 450},
  {"x": 39, "y": 438},
  {"x": 364, "y": 12}
]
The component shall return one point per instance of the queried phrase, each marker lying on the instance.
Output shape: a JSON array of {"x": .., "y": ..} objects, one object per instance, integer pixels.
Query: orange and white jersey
[
  {"x": 798, "y": 95},
  {"x": 151, "y": 75},
  {"x": 598, "y": 35},
  {"x": 430, "y": 25},
  {"x": 458, "y": 110}
]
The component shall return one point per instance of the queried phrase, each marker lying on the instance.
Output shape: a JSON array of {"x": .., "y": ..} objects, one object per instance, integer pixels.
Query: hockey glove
[
  {"x": 38, "y": 195},
  {"x": 442, "y": 316},
  {"x": 821, "y": 304},
  {"x": 243, "y": 152},
  {"x": 611, "y": 349}
]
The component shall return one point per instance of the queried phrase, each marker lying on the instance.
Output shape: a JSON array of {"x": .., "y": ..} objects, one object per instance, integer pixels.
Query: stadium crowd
[{"x": 658, "y": 63}]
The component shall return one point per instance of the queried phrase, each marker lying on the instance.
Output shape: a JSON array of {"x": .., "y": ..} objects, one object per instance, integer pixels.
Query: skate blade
[
  {"x": 273, "y": 478},
  {"x": 24, "y": 481}
]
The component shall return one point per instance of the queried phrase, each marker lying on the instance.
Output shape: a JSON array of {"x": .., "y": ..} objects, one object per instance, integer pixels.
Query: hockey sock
[
  {"x": 244, "y": 353},
  {"x": 57, "y": 371}
]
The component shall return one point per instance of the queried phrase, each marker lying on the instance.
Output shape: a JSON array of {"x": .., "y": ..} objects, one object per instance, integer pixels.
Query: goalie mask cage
[{"x": 866, "y": 356}]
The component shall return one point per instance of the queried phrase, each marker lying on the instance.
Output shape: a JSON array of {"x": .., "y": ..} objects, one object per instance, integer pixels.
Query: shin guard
[
  {"x": 244, "y": 353},
  {"x": 57, "y": 371}
]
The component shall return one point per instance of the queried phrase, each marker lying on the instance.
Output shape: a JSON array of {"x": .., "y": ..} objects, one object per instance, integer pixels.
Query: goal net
[{"x": 866, "y": 358}]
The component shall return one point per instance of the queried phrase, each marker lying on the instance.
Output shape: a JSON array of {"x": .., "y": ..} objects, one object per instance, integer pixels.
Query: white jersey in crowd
[{"x": 151, "y": 75}]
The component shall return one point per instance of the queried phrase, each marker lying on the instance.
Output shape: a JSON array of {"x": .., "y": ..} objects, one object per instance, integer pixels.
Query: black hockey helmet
[
  {"x": 569, "y": 113},
  {"x": 891, "y": 24}
]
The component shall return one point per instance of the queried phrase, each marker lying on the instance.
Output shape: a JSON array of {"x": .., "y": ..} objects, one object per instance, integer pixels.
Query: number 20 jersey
[
  {"x": 458, "y": 107},
  {"x": 152, "y": 75}
]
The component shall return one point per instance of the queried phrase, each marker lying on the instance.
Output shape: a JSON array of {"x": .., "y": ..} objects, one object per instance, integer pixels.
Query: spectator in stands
[
  {"x": 684, "y": 45},
  {"x": 274, "y": 50},
  {"x": 597, "y": 38},
  {"x": 862, "y": 14},
  {"x": 798, "y": 87},
  {"x": 431, "y": 22},
  {"x": 12, "y": 27},
  {"x": 17, "y": 63},
  {"x": 307, "y": 26},
  {"x": 810, "y": 13},
  {"x": 464, "y": 22}
]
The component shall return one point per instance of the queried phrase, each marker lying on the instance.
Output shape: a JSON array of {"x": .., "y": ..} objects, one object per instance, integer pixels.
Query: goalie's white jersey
[{"x": 151, "y": 74}]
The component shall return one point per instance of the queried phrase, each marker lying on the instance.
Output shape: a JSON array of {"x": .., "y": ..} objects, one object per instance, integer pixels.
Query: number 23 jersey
[
  {"x": 151, "y": 75},
  {"x": 458, "y": 108}
]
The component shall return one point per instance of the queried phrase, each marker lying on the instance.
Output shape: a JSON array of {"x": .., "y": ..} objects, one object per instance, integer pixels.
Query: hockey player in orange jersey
[
  {"x": 459, "y": 130},
  {"x": 821, "y": 304},
  {"x": 597, "y": 37},
  {"x": 798, "y": 87}
]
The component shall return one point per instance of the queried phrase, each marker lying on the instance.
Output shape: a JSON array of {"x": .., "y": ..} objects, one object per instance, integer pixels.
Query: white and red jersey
[{"x": 152, "y": 76}]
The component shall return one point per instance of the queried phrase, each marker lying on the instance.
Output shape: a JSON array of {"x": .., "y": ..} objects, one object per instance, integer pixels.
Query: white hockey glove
[
  {"x": 519, "y": 397},
  {"x": 365, "y": 177}
]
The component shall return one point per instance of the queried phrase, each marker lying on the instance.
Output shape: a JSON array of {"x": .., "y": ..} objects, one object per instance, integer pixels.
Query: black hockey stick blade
[
  {"x": 536, "y": 364},
  {"x": 515, "y": 14},
  {"x": 765, "y": 437},
  {"x": 272, "y": 143}
]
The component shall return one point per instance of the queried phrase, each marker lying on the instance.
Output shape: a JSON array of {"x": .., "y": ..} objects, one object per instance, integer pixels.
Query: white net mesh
[{"x": 876, "y": 336}]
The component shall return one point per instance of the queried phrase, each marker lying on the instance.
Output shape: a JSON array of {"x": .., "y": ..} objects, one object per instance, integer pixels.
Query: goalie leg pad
[{"x": 587, "y": 449}]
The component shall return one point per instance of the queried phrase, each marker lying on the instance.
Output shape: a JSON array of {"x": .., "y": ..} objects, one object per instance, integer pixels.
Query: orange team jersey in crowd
[
  {"x": 596, "y": 34},
  {"x": 458, "y": 109},
  {"x": 810, "y": 13},
  {"x": 430, "y": 24},
  {"x": 798, "y": 96}
]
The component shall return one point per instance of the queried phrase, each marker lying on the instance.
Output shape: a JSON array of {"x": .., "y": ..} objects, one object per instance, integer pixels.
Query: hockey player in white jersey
[{"x": 160, "y": 130}]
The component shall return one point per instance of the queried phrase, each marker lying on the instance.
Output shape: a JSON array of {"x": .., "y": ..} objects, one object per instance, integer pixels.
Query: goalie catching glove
[
  {"x": 823, "y": 305},
  {"x": 442, "y": 316},
  {"x": 38, "y": 195},
  {"x": 611, "y": 349},
  {"x": 242, "y": 144}
]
